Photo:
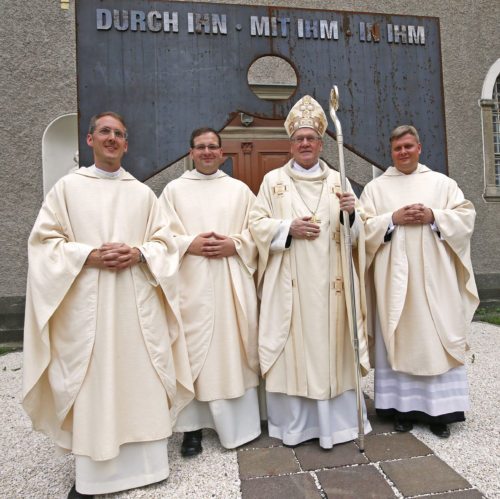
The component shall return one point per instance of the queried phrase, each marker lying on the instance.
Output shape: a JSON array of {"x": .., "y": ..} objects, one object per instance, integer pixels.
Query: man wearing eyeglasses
[
  {"x": 208, "y": 215},
  {"x": 305, "y": 349},
  {"x": 102, "y": 322}
]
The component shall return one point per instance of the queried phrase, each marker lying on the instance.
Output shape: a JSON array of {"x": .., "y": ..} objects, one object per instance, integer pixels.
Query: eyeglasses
[
  {"x": 308, "y": 138},
  {"x": 106, "y": 132},
  {"x": 210, "y": 147}
]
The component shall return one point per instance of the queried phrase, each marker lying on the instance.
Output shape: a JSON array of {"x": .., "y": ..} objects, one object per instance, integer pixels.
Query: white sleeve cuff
[
  {"x": 279, "y": 240},
  {"x": 435, "y": 228}
]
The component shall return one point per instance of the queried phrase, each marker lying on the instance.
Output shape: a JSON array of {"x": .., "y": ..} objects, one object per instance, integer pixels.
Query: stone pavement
[{"x": 392, "y": 465}]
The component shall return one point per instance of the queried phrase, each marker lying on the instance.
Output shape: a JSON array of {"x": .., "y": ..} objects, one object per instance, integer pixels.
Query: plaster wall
[
  {"x": 38, "y": 78},
  {"x": 38, "y": 84}
]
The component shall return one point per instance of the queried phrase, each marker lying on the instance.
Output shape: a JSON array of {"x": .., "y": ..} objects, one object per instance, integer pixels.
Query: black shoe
[
  {"x": 402, "y": 425},
  {"x": 441, "y": 430},
  {"x": 73, "y": 494},
  {"x": 191, "y": 443}
]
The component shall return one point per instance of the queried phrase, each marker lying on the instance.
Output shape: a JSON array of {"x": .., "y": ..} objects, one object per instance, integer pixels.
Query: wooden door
[{"x": 252, "y": 159}]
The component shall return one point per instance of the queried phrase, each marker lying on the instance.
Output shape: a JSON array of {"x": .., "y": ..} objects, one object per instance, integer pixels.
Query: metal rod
[{"x": 334, "y": 105}]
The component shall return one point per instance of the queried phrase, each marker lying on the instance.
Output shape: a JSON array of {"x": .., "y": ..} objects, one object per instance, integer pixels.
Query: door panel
[{"x": 252, "y": 159}]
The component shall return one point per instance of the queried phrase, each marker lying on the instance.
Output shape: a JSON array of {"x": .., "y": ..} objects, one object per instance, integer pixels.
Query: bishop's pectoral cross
[{"x": 315, "y": 219}]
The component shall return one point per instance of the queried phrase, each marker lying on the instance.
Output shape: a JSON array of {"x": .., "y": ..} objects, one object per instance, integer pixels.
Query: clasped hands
[
  {"x": 303, "y": 228},
  {"x": 113, "y": 256},
  {"x": 212, "y": 245},
  {"x": 414, "y": 214}
]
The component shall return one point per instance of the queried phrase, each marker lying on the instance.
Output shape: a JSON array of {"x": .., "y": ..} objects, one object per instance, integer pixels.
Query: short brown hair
[
  {"x": 401, "y": 130},
  {"x": 96, "y": 117},
  {"x": 201, "y": 131}
]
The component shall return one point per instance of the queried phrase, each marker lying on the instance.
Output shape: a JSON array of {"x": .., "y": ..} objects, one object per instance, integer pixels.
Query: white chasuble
[
  {"x": 304, "y": 341},
  {"x": 217, "y": 295},
  {"x": 218, "y": 304},
  {"x": 105, "y": 359},
  {"x": 424, "y": 285}
]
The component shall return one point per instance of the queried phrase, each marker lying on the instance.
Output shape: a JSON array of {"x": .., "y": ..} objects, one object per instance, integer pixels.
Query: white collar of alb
[
  {"x": 104, "y": 173},
  {"x": 306, "y": 171}
]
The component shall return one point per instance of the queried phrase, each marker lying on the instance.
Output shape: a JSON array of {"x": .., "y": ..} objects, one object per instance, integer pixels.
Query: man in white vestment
[
  {"x": 102, "y": 326},
  {"x": 418, "y": 230},
  {"x": 208, "y": 216},
  {"x": 305, "y": 349}
]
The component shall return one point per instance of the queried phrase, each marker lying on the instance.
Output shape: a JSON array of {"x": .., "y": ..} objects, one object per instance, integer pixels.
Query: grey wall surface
[{"x": 38, "y": 84}]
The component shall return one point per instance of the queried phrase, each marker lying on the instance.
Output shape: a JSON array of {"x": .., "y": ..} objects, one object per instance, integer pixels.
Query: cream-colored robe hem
[
  {"x": 104, "y": 351},
  {"x": 137, "y": 465},
  {"x": 305, "y": 347},
  {"x": 217, "y": 295},
  {"x": 236, "y": 421},
  {"x": 297, "y": 419},
  {"x": 425, "y": 289},
  {"x": 433, "y": 395}
]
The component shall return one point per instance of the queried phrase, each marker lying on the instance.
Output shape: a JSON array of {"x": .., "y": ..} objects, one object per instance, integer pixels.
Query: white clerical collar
[
  {"x": 306, "y": 171},
  {"x": 104, "y": 173},
  {"x": 195, "y": 173}
]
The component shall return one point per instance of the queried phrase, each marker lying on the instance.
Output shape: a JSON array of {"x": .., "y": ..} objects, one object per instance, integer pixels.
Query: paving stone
[
  {"x": 264, "y": 440},
  {"x": 423, "y": 475},
  {"x": 459, "y": 494},
  {"x": 394, "y": 446},
  {"x": 313, "y": 457},
  {"x": 370, "y": 406},
  {"x": 380, "y": 425},
  {"x": 355, "y": 481},
  {"x": 267, "y": 462},
  {"x": 299, "y": 486}
]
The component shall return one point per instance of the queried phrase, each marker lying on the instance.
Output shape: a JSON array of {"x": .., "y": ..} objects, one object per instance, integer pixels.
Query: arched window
[
  {"x": 490, "y": 116},
  {"x": 496, "y": 129},
  {"x": 59, "y": 149}
]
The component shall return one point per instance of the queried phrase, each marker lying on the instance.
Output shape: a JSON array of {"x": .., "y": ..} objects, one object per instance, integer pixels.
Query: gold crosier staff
[{"x": 334, "y": 105}]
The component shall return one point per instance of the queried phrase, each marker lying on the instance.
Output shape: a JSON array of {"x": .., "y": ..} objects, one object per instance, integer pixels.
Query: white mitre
[{"x": 306, "y": 113}]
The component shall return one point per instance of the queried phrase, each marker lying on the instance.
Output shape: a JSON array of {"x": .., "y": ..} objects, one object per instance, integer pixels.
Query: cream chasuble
[
  {"x": 305, "y": 347},
  {"x": 100, "y": 346},
  {"x": 424, "y": 285},
  {"x": 217, "y": 296}
]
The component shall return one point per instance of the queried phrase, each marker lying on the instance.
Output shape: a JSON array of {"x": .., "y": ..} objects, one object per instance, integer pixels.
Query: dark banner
[{"x": 170, "y": 67}]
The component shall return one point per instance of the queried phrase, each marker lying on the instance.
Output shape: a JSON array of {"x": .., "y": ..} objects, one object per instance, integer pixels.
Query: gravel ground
[
  {"x": 473, "y": 449},
  {"x": 29, "y": 467}
]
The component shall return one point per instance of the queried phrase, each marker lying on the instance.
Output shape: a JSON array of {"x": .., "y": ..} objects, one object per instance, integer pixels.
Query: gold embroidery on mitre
[{"x": 306, "y": 113}]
